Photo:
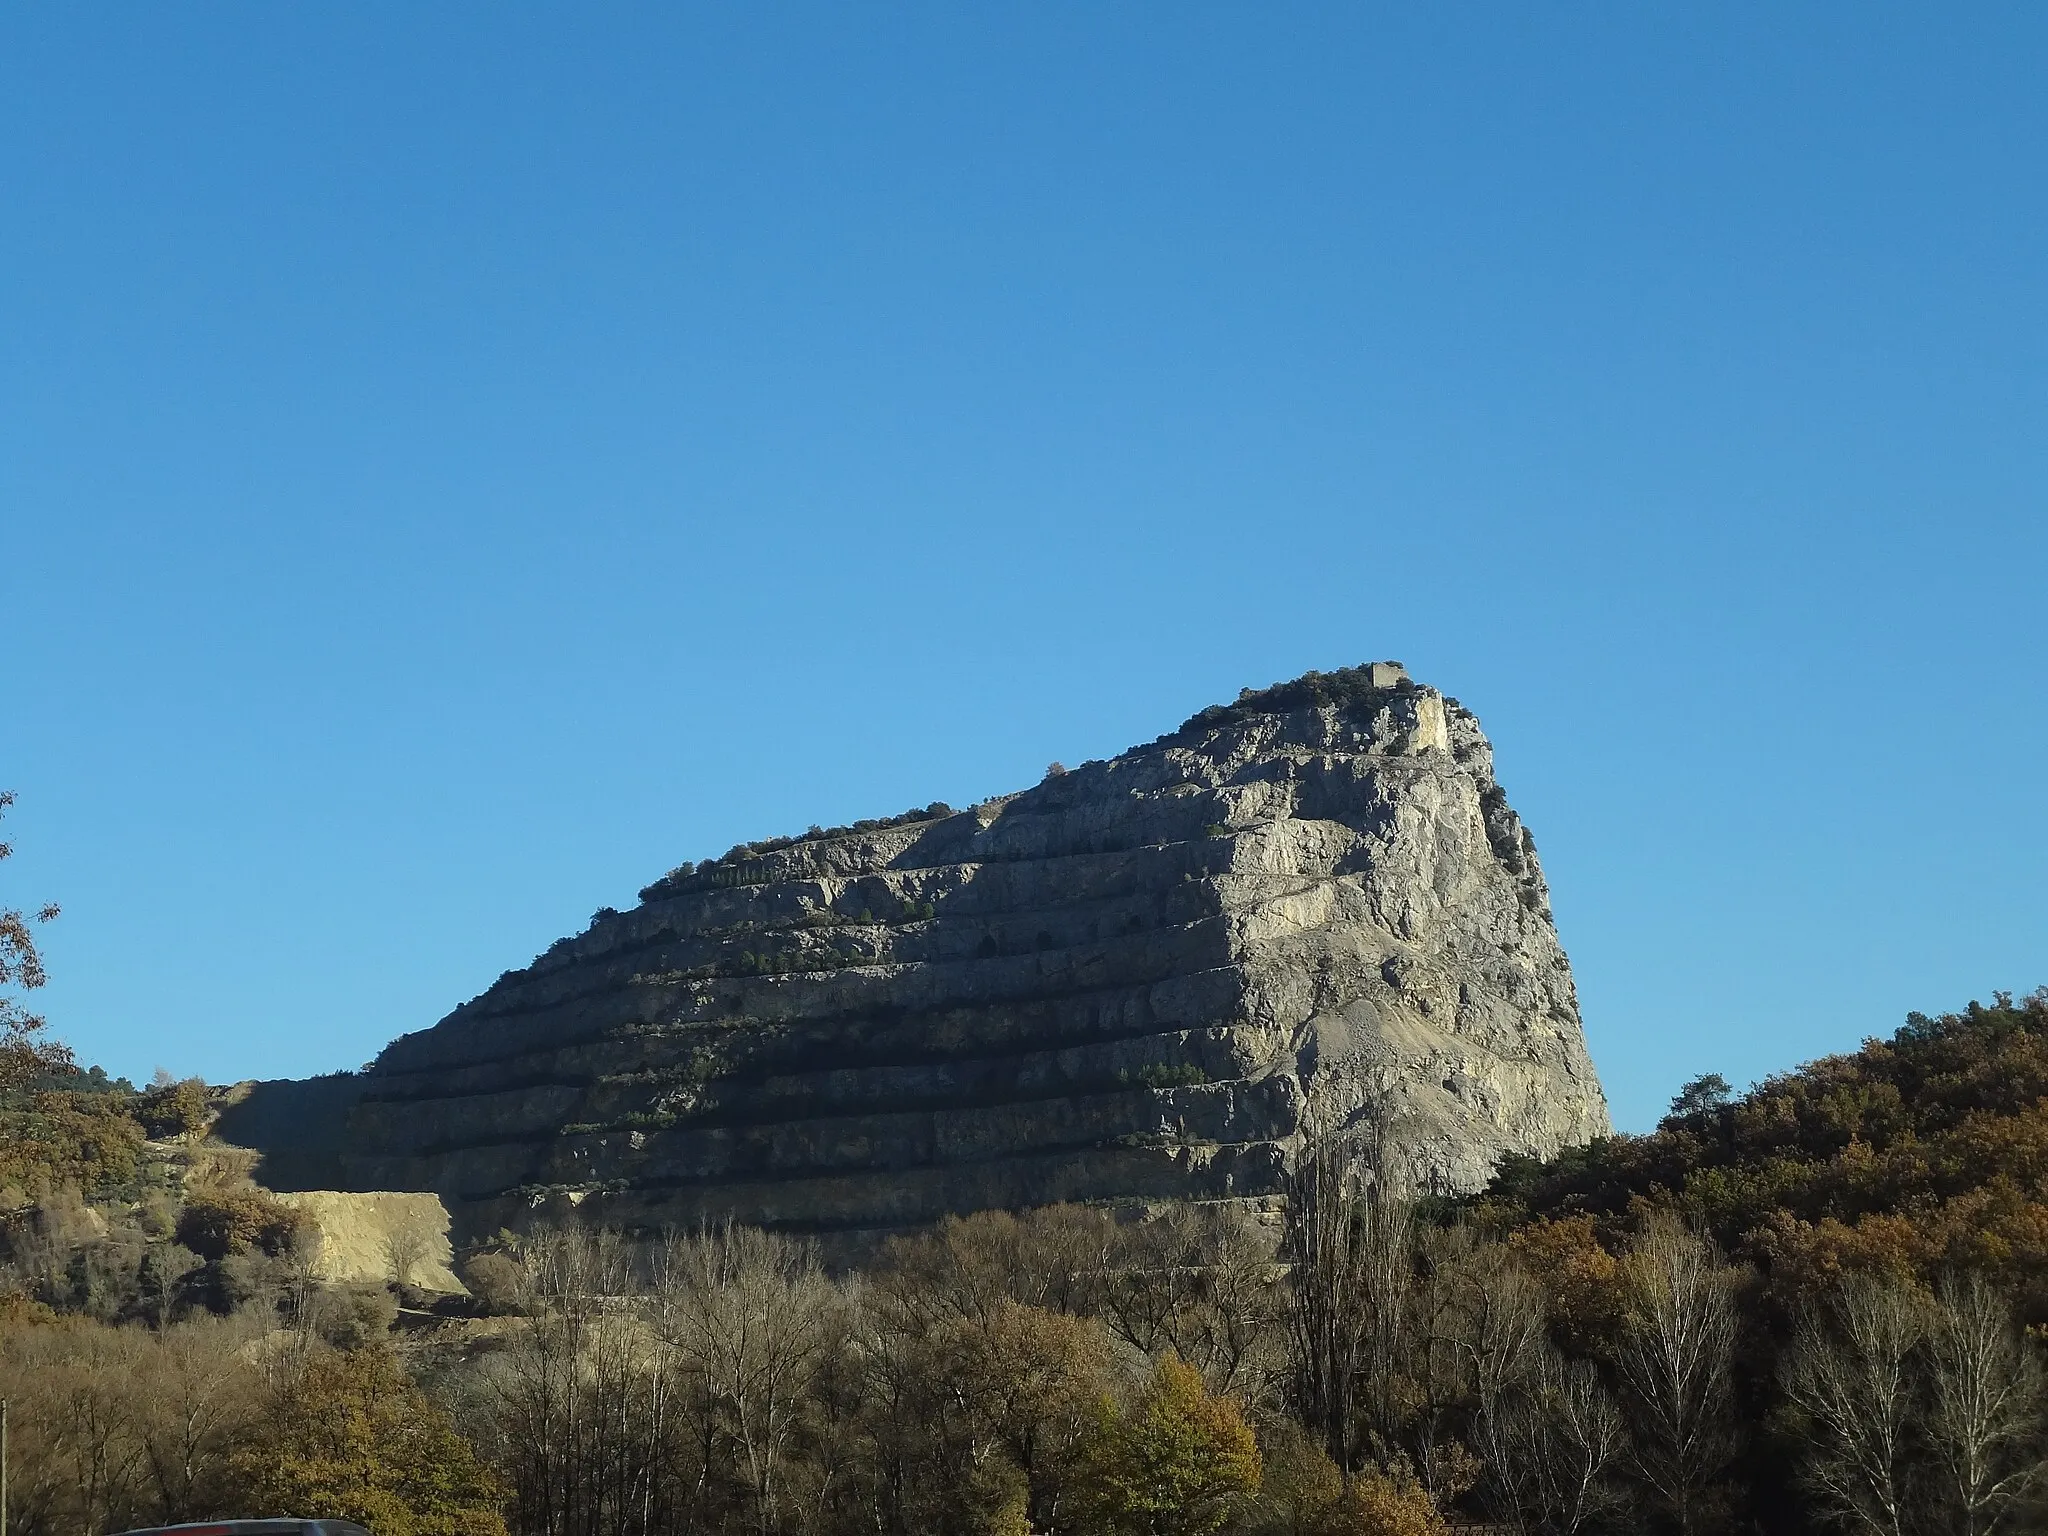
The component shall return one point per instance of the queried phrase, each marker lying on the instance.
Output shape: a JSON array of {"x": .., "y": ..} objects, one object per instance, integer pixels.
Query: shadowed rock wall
[{"x": 300, "y": 1127}]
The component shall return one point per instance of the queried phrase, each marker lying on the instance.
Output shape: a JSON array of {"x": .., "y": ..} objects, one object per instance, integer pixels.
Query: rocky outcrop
[{"x": 1138, "y": 981}]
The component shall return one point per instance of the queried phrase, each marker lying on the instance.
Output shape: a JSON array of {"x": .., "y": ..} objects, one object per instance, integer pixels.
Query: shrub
[
  {"x": 354, "y": 1316},
  {"x": 1346, "y": 688},
  {"x": 1157, "y": 1074},
  {"x": 89, "y": 1140},
  {"x": 1378, "y": 1505},
  {"x": 174, "y": 1109},
  {"x": 223, "y": 1223},
  {"x": 1299, "y": 1484},
  {"x": 494, "y": 1279}
]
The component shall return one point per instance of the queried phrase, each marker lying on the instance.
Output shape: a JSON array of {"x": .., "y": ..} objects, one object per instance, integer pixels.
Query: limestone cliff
[{"x": 1125, "y": 984}]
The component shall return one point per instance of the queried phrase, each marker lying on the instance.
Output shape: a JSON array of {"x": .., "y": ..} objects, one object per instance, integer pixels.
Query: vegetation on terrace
[
  {"x": 689, "y": 876},
  {"x": 1347, "y": 688}
]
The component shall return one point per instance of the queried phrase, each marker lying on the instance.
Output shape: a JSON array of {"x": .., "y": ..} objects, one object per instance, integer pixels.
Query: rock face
[{"x": 1136, "y": 982}]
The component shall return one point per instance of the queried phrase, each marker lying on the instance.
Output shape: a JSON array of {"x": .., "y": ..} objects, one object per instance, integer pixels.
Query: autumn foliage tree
[
  {"x": 348, "y": 1436},
  {"x": 26, "y": 1052},
  {"x": 1178, "y": 1462},
  {"x": 1921, "y": 1152}
]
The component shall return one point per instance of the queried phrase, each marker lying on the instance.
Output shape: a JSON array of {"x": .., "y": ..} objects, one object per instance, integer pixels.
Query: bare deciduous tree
[
  {"x": 1053, "y": 1257},
  {"x": 298, "y": 1272},
  {"x": 197, "y": 1395},
  {"x": 567, "y": 1398},
  {"x": 1202, "y": 1285},
  {"x": 753, "y": 1317},
  {"x": 79, "y": 1401},
  {"x": 1675, "y": 1357},
  {"x": 1349, "y": 1248},
  {"x": 1850, "y": 1371},
  {"x": 407, "y": 1248},
  {"x": 1984, "y": 1409},
  {"x": 1570, "y": 1438},
  {"x": 1548, "y": 1432}
]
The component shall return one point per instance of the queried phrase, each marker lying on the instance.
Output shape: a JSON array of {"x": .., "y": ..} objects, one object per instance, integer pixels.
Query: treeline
[
  {"x": 116, "y": 1427},
  {"x": 1805, "y": 1308}
]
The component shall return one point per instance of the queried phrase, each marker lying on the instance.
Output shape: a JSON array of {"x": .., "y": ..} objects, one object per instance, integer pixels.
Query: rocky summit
[{"x": 1142, "y": 980}]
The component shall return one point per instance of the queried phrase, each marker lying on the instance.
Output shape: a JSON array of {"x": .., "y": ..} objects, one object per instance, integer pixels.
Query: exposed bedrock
[{"x": 1138, "y": 981}]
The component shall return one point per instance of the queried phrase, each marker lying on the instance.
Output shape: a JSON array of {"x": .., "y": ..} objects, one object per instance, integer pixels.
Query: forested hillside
[
  {"x": 1915, "y": 1154},
  {"x": 1799, "y": 1309}
]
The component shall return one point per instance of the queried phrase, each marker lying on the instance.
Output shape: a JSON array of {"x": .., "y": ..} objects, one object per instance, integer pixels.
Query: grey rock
[{"x": 1142, "y": 980}]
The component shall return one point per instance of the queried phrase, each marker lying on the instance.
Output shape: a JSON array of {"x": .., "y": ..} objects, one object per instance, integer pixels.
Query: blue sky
[{"x": 457, "y": 462}]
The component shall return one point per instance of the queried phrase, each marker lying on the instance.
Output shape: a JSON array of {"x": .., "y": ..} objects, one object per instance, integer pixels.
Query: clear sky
[{"x": 458, "y": 461}]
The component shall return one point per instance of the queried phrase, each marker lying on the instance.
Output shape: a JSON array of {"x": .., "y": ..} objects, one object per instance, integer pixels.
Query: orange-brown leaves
[
  {"x": 24, "y": 1052},
  {"x": 1581, "y": 1280}
]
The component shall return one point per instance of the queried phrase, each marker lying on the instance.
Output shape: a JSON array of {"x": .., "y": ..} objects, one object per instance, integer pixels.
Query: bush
[
  {"x": 1377, "y": 1505},
  {"x": 1299, "y": 1483},
  {"x": 174, "y": 1109},
  {"x": 1347, "y": 688},
  {"x": 495, "y": 1280},
  {"x": 86, "y": 1140},
  {"x": 217, "y": 1225},
  {"x": 353, "y": 1316}
]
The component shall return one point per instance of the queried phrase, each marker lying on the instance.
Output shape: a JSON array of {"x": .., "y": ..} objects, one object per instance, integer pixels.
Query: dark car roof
[{"x": 279, "y": 1527}]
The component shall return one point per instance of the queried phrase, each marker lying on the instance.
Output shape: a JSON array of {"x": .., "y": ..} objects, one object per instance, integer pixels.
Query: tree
[
  {"x": 408, "y": 1249},
  {"x": 348, "y": 1436},
  {"x": 220, "y": 1222},
  {"x": 571, "y": 1403},
  {"x": 1568, "y": 1443},
  {"x": 1202, "y": 1284},
  {"x": 1675, "y": 1357},
  {"x": 1031, "y": 1382},
  {"x": 1984, "y": 1417},
  {"x": 1298, "y": 1483},
  {"x": 754, "y": 1321},
  {"x": 1549, "y": 1435},
  {"x": 1851, "y": 1372},
  {"x": 90, "y": 1411},
  {"x": 1349, "y": 1246},
  {"x": 173, "y": 1106},
  {"x": 1051, "y": 1257},
  {"x": 1178, "y": 1464},
  {"x": 25, "y": 1053},
  {"x": 198, "y": 1396},
  {"x": 1375, "y": 1504},
  {"x": 1702, "y": 1096}
]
